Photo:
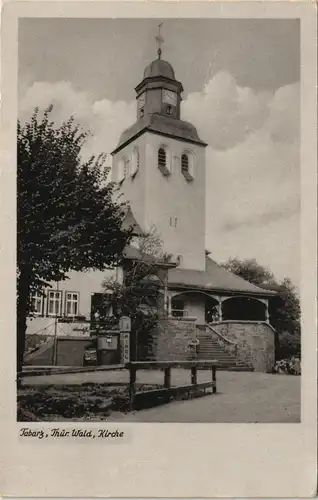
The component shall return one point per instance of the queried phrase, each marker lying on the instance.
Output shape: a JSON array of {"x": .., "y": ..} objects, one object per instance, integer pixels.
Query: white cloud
[
  {"x": 253, "y": 170},
  {"x": 252, "y": 160},
  {"x": 225, "y": 113},
  {"x": 104, "y": 119}
]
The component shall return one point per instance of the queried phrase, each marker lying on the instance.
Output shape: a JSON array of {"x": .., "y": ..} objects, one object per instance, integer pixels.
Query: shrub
[
  {"x": 289, "y": 345},
  {"x": 288, "y": 366}
]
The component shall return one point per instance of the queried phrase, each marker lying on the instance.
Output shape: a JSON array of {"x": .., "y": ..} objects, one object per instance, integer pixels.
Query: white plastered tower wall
[
  {"x": 133, "y": 189},
  {"x": 174, "y": 205}
]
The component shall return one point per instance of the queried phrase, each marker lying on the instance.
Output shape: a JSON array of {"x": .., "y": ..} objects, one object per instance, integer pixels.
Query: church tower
[{"x": 159, "y": 164}]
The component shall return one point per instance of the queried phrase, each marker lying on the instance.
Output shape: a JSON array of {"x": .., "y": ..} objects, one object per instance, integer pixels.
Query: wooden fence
[{"x": 164, "y": 394}]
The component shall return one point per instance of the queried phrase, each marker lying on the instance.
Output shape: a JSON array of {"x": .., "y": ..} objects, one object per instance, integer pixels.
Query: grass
[{"x": 73, "y": 402}]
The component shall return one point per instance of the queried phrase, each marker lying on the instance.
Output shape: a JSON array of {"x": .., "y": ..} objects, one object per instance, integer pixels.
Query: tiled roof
[
  {"x": 215, "y": 278},
  {"x": 160, "y": 124},
  {"x": 130, "y": 221},
  {"x": 132, "y": 253}
]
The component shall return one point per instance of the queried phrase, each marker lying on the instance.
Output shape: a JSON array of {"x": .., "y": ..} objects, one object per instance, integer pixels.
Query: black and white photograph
[
  {"x": 158, "y": 249},
  {"x": 158, "y": 220}
]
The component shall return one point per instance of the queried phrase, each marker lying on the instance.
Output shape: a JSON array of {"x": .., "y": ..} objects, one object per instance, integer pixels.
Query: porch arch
[
  {"x": 210, "y": 304},
  {"x": 244, "y": 308}
]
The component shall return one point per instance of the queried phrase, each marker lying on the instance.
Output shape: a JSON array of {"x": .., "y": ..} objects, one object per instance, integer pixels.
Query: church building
[{"x": 160, "y": 166}]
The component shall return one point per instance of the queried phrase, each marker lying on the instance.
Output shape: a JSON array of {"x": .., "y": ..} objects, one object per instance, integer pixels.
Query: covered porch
[{"x": 209, "y": 307}]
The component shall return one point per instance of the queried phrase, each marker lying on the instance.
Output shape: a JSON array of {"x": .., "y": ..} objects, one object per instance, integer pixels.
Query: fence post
[
  {"x": 132, "y": 385},
  {"x": 214, "y": 379},
  {"x": 193, "y": 375},
  {"x": 167, "y": 379}
]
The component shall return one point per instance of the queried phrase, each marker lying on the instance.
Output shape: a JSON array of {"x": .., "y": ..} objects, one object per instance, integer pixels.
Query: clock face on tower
[{"x": 170, "y": 97}]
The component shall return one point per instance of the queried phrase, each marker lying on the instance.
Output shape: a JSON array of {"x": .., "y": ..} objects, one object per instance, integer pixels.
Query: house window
[
  {"x": 187, "y": 166},
  {"x": 71, "y": 303},
  {"x": 37, "y": 303},
  {"x": 163, "y": 160},
  {"x": 177, "y": 307},
  {"x": 54, "y": 303},
  {"x": 173, "y": 221}
]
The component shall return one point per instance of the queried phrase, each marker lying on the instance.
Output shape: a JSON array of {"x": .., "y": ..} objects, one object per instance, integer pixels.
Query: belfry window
[
  {"x": 184, "y": 163},
  {"x": 162, "y": 157},
  {"x": 164, "y": 160},
  {"x": 187, "y": 165}
]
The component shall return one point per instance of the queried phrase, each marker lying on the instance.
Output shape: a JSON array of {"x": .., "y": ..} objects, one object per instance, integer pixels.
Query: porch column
[
  {"x": 120, "y": 275},
  {"x": 168, "y": 305},
  {"x": 220, "y": 309},
  {"x": 266, "y": 311}
]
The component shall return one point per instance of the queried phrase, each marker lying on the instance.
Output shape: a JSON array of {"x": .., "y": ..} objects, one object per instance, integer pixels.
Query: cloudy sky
[{"x": 242, "y": 83}]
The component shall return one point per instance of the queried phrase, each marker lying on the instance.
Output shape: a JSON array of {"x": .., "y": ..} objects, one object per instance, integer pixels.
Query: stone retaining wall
[
  {"x": 255, "y": 340},
  {"x": 170, "y": 342}
]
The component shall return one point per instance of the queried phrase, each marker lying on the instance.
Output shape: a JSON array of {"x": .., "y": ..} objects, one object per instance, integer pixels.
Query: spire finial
[{"x": 159, "y": 40}]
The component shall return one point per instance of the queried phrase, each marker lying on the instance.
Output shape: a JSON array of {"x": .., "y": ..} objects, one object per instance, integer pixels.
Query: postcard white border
[{"x": 164, "y": 460}]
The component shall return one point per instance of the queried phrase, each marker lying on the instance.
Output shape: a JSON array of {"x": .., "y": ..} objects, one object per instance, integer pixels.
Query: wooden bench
[{"x": 166, "y": 392}]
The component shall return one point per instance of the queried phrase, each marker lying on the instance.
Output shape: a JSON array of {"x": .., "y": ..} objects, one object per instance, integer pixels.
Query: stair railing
[{"x": 229, "y": 345}]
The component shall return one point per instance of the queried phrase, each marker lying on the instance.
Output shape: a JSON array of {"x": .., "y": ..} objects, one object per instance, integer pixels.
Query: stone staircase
[
  {"x": 41, "y": 354},
  {"x": 211, "y": 348}
]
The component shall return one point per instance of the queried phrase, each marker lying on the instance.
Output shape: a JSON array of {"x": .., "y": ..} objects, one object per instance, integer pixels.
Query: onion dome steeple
[
  {"x": 159, "y": 67},
  {"x": 158, "y": 103}
]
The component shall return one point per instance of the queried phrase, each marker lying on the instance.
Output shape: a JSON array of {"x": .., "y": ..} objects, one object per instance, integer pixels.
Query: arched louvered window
[
  {"x": 164, "y": 160},
  {"x": 162, "y": 157},
  {"x": 184, "y": 163}
]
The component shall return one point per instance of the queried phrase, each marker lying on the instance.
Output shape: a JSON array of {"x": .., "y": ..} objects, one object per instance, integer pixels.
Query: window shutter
[
  {"x": 121, "y": 170},
  {"x": 134, "y": 162},
  {"x": 187, "y": 166},
  {"x": 191, "y": 167}
]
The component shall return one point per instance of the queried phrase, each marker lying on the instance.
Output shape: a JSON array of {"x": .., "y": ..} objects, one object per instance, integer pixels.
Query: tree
[
  {"x": 285, "y": 317},
  {"x": 140, "y": 295},
  {"x": 67, "y": 218},
  {"x": 284, "y": 308},
  {"x": 250, "y": 271}
]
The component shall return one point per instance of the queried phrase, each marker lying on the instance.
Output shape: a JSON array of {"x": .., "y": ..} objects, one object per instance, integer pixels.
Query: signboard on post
[
  {"x": 125, "y": 347},
  {"x": 125, "y": 324},
  {"x": 125, "y": 329}
]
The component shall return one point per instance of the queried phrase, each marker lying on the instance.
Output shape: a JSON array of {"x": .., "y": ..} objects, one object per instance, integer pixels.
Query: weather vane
[{"x": 159, "y": 40}]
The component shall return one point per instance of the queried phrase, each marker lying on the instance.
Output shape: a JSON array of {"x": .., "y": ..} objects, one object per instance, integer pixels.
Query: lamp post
[{"x": 97, "y": 321}]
